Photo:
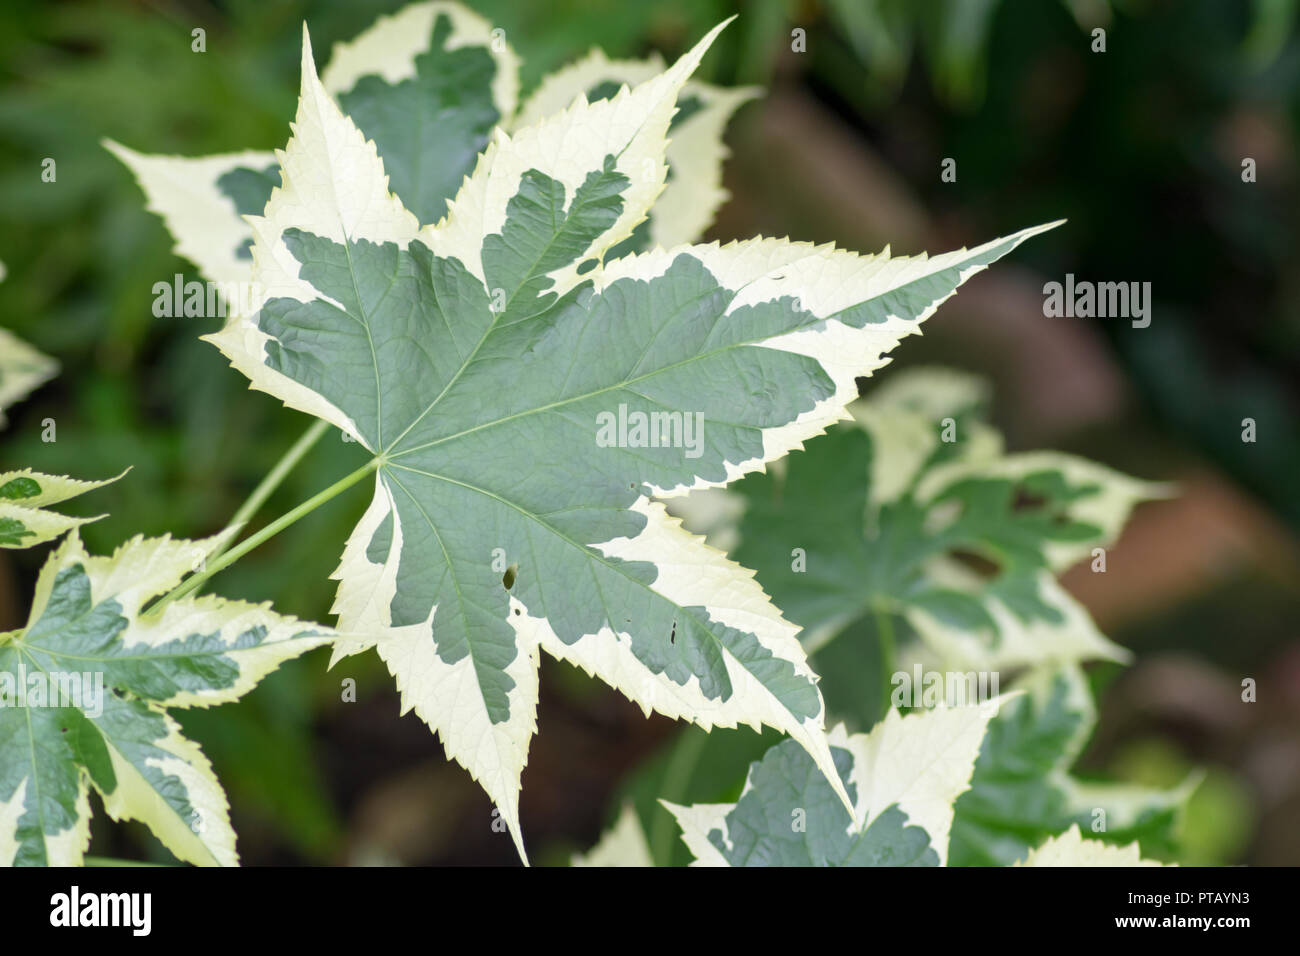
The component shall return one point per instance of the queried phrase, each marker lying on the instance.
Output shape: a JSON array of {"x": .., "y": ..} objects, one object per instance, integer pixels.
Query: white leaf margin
[
  {"x": 623, "y": 845},
  {"x": 696, "y": 151},
  {"x": 1071, "y": 849},
  {"x": 389, "y": 46}
]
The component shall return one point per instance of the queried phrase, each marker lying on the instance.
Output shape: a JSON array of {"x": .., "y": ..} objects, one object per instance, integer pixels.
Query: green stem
[
  {"x": 277, "y": 475},
  {"x": 267, "y": 486},
  {"x": 888, "y": 657},
  {"x": 195, "y": 581},
  {"x": 677, "y": 777}
]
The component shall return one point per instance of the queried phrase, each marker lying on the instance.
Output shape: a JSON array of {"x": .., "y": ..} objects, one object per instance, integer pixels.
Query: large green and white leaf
[
  {"x": 22, "y": 368},
  {"x": 1049, "y": 626},
  {"x": 957, "y": 537},
  {"x": 86, "y": 687},
  {"x": 1022, "y": 791},
  {"x": 25, "y": 497},
  {"x": 1071, "y": 849},
  {"x": 480, "y": 361},
  {"x": 695, "y": 153},
  {"x": 624, "y": 844},
  {"x": 904, "y": 777},
  {"x": 426, "y": 84}
]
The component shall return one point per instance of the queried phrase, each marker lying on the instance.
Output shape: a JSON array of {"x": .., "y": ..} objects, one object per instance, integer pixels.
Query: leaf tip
[{"x": 308, "y": 60}]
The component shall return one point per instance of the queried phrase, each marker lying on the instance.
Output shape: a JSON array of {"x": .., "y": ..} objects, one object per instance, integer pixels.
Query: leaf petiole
[
  {"x": 225, "y": 560},
  {"x": 277, "y": 474},
  {"x": 268, "y": 484}
]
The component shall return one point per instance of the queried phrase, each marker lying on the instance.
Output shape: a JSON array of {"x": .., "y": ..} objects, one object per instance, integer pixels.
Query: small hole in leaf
[
  {"x": 672, "y": 636},
  {"x": 1026, "y": 500},
  {"x": 517, "y": 611},
  {"x": 508, "y": 579},
  {"x": 981, "y": 565}
]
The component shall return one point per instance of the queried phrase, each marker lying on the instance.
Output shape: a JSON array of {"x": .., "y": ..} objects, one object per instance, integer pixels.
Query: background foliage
[{"x": 1140, "y": 147}]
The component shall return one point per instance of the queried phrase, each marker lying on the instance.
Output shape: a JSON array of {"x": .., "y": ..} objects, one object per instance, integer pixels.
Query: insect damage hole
[
  {"x": 508, "y": 579},
  {"x": 986, "y": 568},
  {"x": 1024, "y": 499},
  {"x": 672, "y": 635}
]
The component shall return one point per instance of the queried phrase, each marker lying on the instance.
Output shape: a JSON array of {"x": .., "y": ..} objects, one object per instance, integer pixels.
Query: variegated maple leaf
[
  {"x": 903, "y": 776},
  {"x": 85, "y": 690},
  {"x": 484, "y": 363},
  {"x": 788, "y": 816},
  {"x": 914, "y": 510},
  {"x": 25, "y": 497},
  {"x": 1022, "y": 790},
  {"x": 427, "y": 85}
]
